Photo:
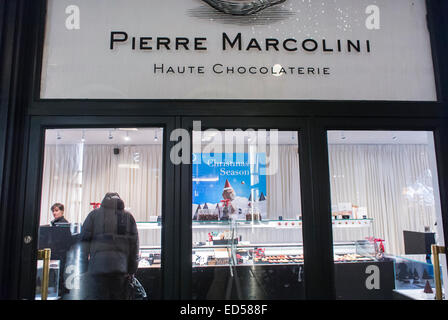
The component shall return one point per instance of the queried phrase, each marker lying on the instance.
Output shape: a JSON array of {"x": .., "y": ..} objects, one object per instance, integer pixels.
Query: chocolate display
[
  {"x": 279, "y": 259},
  {"x": 253, "y": 216},
  {"x": 206, "y": 214},
  {"x": 352, "y": 257},
  {"x": 257, "y": 259},
  {"x": 207, "y": 217}
]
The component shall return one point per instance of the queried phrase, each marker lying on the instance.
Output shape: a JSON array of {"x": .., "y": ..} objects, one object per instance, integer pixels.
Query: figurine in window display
[
  {"x": 203, "y": 213},
  {"x": 196, "y": 214},
  {"x": 416, "y": 277},
  {"x": 228, "y": 195},
  {"x": 403, "y": 274},
  {"x": 426, "y": 275},
  {"x": 228, "y": 192},
  {"x": 217, "y": 211},
  {"x": 109, "y": 250},
  {"x": 225, "y": 212},
  {"x": 428, "y": 288}
]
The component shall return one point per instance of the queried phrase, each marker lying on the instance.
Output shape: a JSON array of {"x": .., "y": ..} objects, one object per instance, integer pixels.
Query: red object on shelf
[
  {"x": 381, "y": 247},
  {"x": 259, "y": 253},
  {"x": 95, "y": 205}
]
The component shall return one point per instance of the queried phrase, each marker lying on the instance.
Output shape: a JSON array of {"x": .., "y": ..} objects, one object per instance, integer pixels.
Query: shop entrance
[
  {"x": 102, "y": 204},
  {"x": 244, "y": 220},
  {"x": 383, "y": 213},
  {"x": 246, "y": 214}
]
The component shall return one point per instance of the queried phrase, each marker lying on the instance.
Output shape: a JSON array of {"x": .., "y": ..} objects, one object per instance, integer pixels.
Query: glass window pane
[
  {"x": 247, "y": 226},
  {"x": 101, "y": 209},
  {"x": 386, "y": 213}
]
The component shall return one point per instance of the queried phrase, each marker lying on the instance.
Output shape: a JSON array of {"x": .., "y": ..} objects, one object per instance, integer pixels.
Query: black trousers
[{"x": 107, "y": 287}]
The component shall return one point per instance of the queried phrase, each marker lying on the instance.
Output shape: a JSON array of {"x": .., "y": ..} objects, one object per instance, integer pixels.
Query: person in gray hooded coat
[{"x": 109, "y": 249}]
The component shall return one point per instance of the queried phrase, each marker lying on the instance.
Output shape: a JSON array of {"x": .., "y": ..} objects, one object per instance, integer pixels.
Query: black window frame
[{"x": 25, "y": 114}]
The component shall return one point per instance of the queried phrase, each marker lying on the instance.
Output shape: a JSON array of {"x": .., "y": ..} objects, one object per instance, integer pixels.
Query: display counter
[
  {"x": 251, "y": 260},
  {"x": 270, "y": 282},
  {"x": 254, "y": 242},
  {"x": 265, "y": 231},
  {"x": 264, "y": 260}
]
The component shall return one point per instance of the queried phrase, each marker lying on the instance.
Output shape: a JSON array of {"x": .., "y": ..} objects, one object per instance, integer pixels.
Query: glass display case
[
  {"x": 414, "y": 276},
  {"x": 411, "y": 272},
  {"x": 149, "y": 239},
  {"x": 268, "y": 242},
  {"x": 265, "y": 242}
]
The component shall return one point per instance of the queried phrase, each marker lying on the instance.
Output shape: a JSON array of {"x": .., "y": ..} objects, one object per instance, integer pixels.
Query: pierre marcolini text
[{"x": 237, "y": 42}]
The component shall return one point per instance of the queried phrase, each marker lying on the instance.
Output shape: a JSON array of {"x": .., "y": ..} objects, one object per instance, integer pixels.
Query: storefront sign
[{"x": 227, "y": 49}]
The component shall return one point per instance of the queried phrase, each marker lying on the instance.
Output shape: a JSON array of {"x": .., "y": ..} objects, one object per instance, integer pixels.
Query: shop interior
[
  {"x": 384, "y": 213},
  {"x": 80, "y": 167},
  {"x": 246, "y": 206}
]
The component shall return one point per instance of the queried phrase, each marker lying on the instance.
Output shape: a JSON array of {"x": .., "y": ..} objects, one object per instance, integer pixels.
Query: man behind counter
[{"x": 58, "y": 213}]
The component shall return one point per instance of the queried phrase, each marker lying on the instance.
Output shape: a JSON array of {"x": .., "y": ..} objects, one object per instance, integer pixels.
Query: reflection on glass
[
  {"x": 385, "y": 213},
  {"x": 81, "y": 166},
  {"x": 247, "y": 228}
]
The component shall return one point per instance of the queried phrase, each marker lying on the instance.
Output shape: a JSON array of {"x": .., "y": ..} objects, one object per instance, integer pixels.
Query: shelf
[
  {"x": 259, "y": 224},
  {"x": 345, "y": 223}
]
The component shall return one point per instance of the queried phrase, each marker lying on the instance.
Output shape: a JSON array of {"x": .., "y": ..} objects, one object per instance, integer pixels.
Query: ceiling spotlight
[
  {"x": 127, "y": 136},
  {"x": 155, "y": 136},
  {"x": 83, "y": 138}
]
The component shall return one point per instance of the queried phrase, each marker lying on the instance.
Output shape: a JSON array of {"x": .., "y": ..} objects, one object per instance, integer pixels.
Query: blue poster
[{"x": 237, "y": 180}]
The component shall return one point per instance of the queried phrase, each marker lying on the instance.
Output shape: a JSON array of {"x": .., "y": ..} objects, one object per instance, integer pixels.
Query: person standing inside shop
[
  {"x": 109, "y": 250},
  {"x": 58, "y": 213}
]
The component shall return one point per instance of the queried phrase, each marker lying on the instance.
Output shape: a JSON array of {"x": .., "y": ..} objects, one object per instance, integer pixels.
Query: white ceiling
[
  {"x": 102, "y": 136},
  {"x": 379, "y": 137},
  {"x": 144, "y": 136}
]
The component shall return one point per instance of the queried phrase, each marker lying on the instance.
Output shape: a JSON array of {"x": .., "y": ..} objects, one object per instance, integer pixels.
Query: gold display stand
[
  {"x": 436, "y": 250},
  {"x": 45, "y": 255}
]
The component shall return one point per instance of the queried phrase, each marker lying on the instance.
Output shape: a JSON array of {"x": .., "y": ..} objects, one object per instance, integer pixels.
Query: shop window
[
  {"x": 247, "y": 218},
  {"x": 80, "y": 168},
  {"x": 385, "y": 214}
]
